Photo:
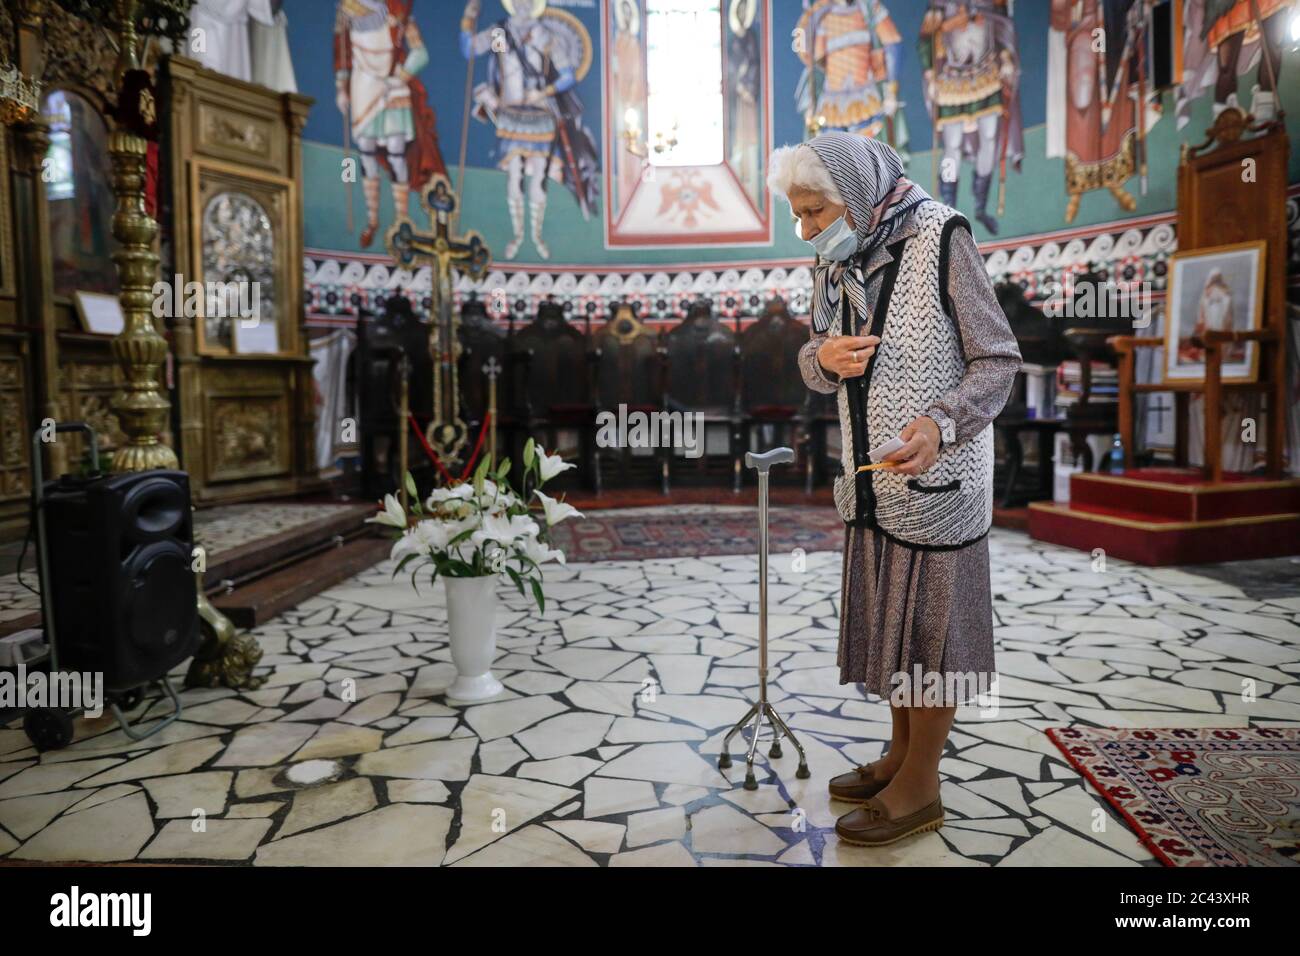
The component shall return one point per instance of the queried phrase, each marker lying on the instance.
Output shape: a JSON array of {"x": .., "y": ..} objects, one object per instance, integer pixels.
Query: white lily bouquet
[{"x": 483, "y": 527}]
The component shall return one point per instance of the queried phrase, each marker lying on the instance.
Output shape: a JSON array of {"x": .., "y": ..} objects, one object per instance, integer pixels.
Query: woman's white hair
[{"x": 799, "y": 165}]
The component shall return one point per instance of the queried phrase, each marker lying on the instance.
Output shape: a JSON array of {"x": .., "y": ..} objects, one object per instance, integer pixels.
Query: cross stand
[
  {"x": 761, "y": 708},
  {"x": 446, "y": 432}
]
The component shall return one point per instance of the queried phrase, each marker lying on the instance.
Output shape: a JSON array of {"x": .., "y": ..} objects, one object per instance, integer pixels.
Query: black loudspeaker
[{"x": 120, "y": 574}]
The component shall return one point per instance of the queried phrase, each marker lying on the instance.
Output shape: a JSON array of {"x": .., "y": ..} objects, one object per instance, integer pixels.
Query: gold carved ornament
[
  {"x": 141, "y": 407},
  {"x": 19, "y": 96},
  {"x": 248, "y": 136}
]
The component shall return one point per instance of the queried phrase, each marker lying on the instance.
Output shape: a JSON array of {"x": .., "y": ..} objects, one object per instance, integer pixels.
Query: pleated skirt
[{"x": 927, "y": 615}]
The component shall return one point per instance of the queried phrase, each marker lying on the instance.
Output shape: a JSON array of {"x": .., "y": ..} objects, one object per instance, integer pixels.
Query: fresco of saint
[
  {"x": 535, "y": 57},
  {"x": 377, "y": 52},
  {"x": 972, "y": 89},
  {"x": 851, "y": 51},
  {"x": 1100, "y": 102},
  {"x": 1223, "y": 41}
]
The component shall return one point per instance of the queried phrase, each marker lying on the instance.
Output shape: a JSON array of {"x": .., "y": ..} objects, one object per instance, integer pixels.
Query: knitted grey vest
[{"x": 918, "y": 361}]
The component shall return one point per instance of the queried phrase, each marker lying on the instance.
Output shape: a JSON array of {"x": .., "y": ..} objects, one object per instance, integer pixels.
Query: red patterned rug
[
  {"x": 1198, "y": 796},
  {"x": 693, "y": 532}
]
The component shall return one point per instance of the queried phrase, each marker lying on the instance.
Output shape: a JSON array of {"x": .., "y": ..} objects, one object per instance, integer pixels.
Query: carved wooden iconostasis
[
  {"x": 15, "y": 358},
  {"x": 244, "y": 388},
  {"x": 227, "y": 198},
  {"x": 15, "y": 372},
  {"x": 56, "y": 209}
]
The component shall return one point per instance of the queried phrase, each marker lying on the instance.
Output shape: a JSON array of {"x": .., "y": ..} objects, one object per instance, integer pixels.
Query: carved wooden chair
[
  {"x": 382, "y": 342},
  {"x": 773, "y": 398},
  {"x": 702, "y": 371},
  {"x": 551, "y": 373},
  {"x": 483, "y": 343},
  {"x": 629, "y": 381}
]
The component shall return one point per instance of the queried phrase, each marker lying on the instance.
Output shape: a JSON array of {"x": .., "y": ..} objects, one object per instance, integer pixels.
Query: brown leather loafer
[
  {"x": 869, "y": 825},
  {"x": 856, "y": 786}
]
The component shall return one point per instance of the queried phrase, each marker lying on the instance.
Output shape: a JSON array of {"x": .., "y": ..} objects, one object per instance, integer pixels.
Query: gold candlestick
[
  {"x": 404, "y": 414},
  {"x": 141, "y": 407},
  {"x": 492, "y": 369}
]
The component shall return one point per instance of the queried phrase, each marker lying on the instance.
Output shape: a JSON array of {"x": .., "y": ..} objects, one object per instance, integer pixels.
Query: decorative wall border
[{"x": 1129, "y": 251}]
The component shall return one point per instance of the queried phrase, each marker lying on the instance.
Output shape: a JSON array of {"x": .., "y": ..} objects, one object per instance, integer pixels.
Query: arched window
[
  {"x": 688, "y": 122},
  {"x": 57, "y": 172},
  {"x": 79, "y": 195},
  {"x": 684, "y": 112}
]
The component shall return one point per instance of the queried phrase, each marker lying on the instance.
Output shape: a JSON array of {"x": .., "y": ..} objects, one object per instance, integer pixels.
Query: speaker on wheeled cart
[{"x": 121, "y": 574}]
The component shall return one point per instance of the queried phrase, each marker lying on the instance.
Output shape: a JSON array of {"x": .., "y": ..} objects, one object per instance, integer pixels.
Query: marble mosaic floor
[{"x": 576, "y": 764}]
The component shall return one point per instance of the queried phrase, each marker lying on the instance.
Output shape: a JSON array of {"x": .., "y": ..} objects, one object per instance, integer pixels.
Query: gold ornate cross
[{"x": 447, "y": 431}]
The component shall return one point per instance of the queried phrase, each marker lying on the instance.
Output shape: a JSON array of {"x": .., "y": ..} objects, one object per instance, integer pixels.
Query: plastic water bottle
[{"x": 1115, "y": 462}]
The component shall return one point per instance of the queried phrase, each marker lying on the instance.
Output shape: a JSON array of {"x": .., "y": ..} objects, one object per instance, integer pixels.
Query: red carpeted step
[
  {"x": 1157, "y": 541},
  {"x": 1013, "y": 519},
  {"x": 1185, "y": 496}
]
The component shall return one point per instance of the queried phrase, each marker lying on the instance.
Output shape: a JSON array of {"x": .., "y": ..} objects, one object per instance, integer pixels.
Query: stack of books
[{"x": 1069, "y": 384}]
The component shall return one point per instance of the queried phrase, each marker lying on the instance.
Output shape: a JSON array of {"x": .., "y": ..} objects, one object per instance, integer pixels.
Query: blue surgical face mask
[{"x": 834, "y": 243}]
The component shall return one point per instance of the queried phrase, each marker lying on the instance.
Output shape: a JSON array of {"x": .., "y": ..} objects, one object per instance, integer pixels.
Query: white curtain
[
  {"x": 333, "y": 403},
  {"x": 272, "y": 64},
  {"x": 246, "y": 39}
]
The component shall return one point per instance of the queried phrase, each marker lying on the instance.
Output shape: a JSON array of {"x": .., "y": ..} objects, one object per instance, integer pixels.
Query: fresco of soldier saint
[
  {"x": 972, "y": 89},
  {"x": 535, "y": 56},
  {"x": 378, "y": 51},
  {"x": 851, "y": 51}
]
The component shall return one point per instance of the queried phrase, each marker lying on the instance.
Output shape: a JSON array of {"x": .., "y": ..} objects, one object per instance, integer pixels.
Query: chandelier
[{"x": 19, "y": 96}]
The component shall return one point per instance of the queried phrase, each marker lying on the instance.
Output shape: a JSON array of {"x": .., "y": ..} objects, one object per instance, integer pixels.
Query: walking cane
[{"x": 761, "y": 708}]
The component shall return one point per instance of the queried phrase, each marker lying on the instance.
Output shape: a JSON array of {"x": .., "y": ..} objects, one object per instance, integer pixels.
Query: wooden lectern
[{"x": 1219, "y": 204}]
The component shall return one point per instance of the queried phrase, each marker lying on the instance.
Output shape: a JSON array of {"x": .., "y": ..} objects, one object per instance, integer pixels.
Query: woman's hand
[
  {"x": 920, "y": 449},
  {"x": 847, "y": 355}
]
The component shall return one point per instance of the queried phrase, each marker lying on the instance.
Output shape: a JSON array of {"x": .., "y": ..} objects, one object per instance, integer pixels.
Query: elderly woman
[{"x": 908, "y": 334}]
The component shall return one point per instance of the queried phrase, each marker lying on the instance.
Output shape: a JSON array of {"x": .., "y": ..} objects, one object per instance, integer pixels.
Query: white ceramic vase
[{"x": 471, "y": 623}]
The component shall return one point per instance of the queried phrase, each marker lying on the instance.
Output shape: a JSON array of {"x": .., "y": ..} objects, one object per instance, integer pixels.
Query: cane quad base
[
  {"x": 756, "y": 713},
  {"x": 761, "y": 709}
]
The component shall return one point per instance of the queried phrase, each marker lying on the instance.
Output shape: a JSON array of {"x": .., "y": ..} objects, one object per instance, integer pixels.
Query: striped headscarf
[{"x": 869, "y": 176}]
